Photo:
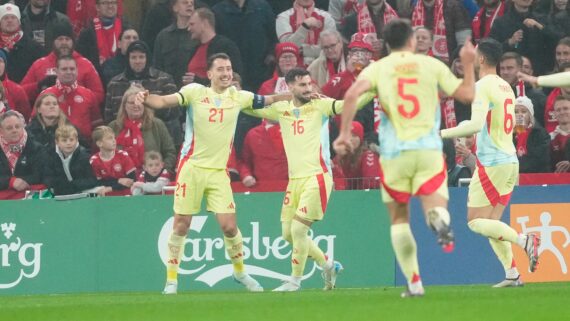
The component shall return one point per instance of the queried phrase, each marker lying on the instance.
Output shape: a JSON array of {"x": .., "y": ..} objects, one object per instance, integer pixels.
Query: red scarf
[
  {"x": 106, "y": 49},
  {"x": 522, "y": 140},
  {"x": 62, "y": 92},
  {"x": 365, "y": 22},
  {"x": 550, "y": 121},
  {"x": 299, "y": 15},
  {"x": 13, "y": 150},
  {"x": 448, "y": 112},
  {"x": 131, "y": 141},
  {"x": 520, "y": 89},
  {"x": 482, "y": 20},
  {"x": 9, "y": 40},
  {"x": 80, "y": 12},
  {"x": 439, "y": 46}
]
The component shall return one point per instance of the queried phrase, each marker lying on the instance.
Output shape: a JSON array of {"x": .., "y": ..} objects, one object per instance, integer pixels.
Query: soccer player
[
  {"x": 411, "y": 158},
  {"x": 561, "y": 79},
  {"x": 211, "y": 120},
  {"x": 304, "y": 128},
  {"x": 492, "y": 118}
]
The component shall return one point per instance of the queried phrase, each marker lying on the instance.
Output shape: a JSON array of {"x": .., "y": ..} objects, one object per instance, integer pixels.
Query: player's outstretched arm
[
  {"x": 342, "y": 144},
  {"x": 466, "y": 91},
  {"x": 561, "y": 79},
  {"x": 470, "y": 127},
  {"x": 157, "y": 101},
  {"x": 277, "y": 97}
]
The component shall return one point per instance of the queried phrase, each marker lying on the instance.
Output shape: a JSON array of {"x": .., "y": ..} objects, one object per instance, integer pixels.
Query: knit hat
[
  {"x": 138, "y": 45},
  {"x": 284, "y": 47},
  {"x": 358, "y": 40},
  {"x": 63, "y": 28},
  {"x": 9, "y": 8},
  {"x": 526, "y": 102},
  {"x": 358, "y": 130}
]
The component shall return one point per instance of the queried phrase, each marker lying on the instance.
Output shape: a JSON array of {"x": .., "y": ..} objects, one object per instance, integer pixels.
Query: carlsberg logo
[
  {"x": 207, "y": 260},
  {"x": 18, "y": 260}
]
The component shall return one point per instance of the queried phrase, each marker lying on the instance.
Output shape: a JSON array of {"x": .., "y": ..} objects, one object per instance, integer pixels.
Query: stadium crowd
[{"x": 69, "y": 70}]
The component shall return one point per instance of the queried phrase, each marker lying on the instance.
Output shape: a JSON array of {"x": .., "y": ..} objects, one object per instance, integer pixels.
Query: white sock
[
  {"x": 512, "y": 273},
  {"x": 296, "y": 280},
  {"x": 521, "y": 240}
]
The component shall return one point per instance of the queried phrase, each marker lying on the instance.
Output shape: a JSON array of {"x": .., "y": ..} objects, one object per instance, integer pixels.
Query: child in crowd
[
  {"x": 154, "y": 176},
  {"x": 113, "y": 168},
  {"x": 69, "y": 171}
]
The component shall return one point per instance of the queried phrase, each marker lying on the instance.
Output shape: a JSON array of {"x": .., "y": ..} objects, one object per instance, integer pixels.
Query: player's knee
[
  {"x": 298, "y": 230},
  {"x": 181, "y": 224},
  {"x": 473, "y": 225}
]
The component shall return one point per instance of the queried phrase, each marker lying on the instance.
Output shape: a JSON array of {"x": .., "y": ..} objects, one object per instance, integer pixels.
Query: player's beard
[{"x": 303, "y": 99}]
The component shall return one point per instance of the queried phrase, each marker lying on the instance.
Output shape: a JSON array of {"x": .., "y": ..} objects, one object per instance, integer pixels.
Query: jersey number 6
[
  {"x": 508, "y": 123},
  {"x": 402, "y": 82}
]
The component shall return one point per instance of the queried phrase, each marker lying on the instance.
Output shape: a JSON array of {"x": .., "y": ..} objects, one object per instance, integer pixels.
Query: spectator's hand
[
  {"x": 531, "y": 23},
  {"x": 342, "y": 144},
  {"x": 249, "y": 181},
  {"x": 467, "y": 53},
  {"x": 313, "y": 23},
  {"x": 140, "y": 97},
  {"x": 516, "y": 38},
  {"x": 126, "y": 181},
  {"x": 188, "y": 78},
  {"x": 462, "y": 151},
  {"x": 104, "y": 190},
  {"x": 21, "y": 185},
  {"x": 528, "y": 78},
  {"x": 562, "y": 167}
]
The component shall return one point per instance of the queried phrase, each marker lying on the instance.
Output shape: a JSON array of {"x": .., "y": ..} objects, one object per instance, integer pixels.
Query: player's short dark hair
[
  {"x": 492, "y": 50},
  {"x": 219, "y": 55},
  {"x": 208, "y": 15},
  {"x": 66, "y": 57},
  {"x": 295, "y": 73},
  {"x": 512, "y": 55},
  {"x": 397, "y": 33}
]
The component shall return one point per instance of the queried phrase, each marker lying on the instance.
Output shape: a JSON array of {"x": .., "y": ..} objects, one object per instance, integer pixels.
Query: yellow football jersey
[{"x": 211, "y": 120}]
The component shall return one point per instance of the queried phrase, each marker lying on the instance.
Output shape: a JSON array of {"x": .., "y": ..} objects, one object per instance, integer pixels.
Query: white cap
[
  {"x": 9, "y": 8},
  {"x": 526, "y": 102}
]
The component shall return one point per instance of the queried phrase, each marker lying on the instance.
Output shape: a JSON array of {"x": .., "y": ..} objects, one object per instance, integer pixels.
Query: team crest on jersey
[
  {"x": 297, "y": 113},
  {"x": 117, "y": 167},
  {"x": 78, "y": 99},
  {"x": 217, "y": 102}
]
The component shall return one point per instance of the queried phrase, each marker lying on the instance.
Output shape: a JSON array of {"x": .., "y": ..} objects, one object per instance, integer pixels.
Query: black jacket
[
  {"x": 46, "y": 135},
  {"x": 79, "y": 168},
  {"x": 22, "y": 56},
  {"x": 29, "y": 167},
  {"x": 113, "y": 67},
  {"x": 537, "y": 158},
  {"x": 220, "y": 44},
  {"x": 536, "y": 43},
  {"x": 50, "y": 20}
]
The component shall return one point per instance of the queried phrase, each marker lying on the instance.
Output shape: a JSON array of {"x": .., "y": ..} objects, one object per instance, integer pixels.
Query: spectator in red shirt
[
  {"x": 361, "y": 169},
  {"x": 63, "y": 44},
  {"x": 77, "y": 102},
  {"x": 550, "y": 121},
  {"x": 263, "y": 155},
  {"x": 559, "y": 137},
  {"x": 154, "y": 176},
  {"x": 288, "y": 57},
  {"x": 113, "y": 168},
  {"x": 14, "y": 95}
]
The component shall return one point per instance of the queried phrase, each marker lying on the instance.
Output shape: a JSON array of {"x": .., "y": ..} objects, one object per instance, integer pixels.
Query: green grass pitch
[{"x": 462, "y": 303}]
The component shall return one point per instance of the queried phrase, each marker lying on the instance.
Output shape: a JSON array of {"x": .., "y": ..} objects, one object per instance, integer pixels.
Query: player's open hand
[
  {"x": 141, "y": 96},
  {"x": 527, "y": 78},
  {"x": 342, "y": 145},
  {"x": 467, "y": 53}
]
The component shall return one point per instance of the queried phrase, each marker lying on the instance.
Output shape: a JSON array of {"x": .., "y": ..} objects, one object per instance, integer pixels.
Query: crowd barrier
[{"x": 118, "y": 243}]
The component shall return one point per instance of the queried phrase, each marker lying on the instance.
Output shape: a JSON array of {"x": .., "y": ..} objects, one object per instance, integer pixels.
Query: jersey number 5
[
  {"x": 508, "y": 122},
  {"x": 214, "y": 112},
  {"x": 402, "y": 82}
]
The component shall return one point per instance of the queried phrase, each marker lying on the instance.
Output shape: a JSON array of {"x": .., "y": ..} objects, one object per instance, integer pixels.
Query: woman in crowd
[
  {"x": 138, "y": 131},
  {"x": 530, "y": 139}
]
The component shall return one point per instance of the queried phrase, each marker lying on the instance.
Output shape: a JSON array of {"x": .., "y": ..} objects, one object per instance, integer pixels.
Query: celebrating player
[
  {"x": 304, "y": 128},
  {"x": 492, "y": 118},
  {"x": 410, "y": 146},
  {"x": 211, "y": 120}
]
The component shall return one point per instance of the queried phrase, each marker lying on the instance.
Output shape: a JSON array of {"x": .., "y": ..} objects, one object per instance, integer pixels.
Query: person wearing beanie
[
  {"x": 140, "y": 73},
  {"x": 360, "y": 52},
  {"x": 118, "y": 64},
  {"x": 99, "y": 41},
  {"x": 14, "y": 95},
  {"x": 531, "y": 140},
  {"x": 21, "y": 49},
  {"x": 63, "y": 45},
  {"x": 39, "y": 21},
  {"x": 360, "y": 169},
  {"x": 288, "y": 57}
]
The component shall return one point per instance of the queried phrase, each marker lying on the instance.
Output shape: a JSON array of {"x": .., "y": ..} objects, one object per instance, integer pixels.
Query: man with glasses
[
  {"x": 100, "y": 41},
  {"x": 331, "y": 61}
]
